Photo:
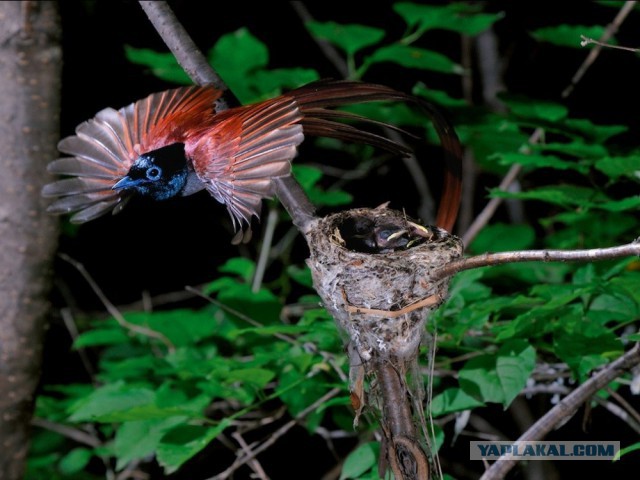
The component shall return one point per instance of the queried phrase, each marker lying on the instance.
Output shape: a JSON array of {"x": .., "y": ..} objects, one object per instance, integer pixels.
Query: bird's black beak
[{"x": 127, "y": 182}]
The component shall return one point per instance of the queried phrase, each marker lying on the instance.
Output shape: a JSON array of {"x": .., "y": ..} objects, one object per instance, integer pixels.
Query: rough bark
[{"x": 30, "y": 61}]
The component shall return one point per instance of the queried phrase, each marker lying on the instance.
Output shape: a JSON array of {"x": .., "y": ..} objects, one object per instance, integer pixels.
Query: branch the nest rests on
[{"x": 373, "y": 269}]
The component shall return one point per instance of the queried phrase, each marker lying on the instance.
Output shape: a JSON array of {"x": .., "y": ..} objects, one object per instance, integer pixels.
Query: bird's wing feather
[
  {"x": 104, "y": 148},
  {"x": 244, "y": 151}
]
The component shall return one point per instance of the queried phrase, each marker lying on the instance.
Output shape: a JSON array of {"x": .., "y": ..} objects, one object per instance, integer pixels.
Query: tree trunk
[{"x": 30, "y": 65}]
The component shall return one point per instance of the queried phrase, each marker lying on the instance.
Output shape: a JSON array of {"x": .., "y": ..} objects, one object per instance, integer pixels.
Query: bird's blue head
[{"x": 159, "y": 174}]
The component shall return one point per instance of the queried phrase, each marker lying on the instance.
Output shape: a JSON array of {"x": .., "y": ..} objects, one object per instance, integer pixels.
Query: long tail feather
[{"x": 315, "y": 99}]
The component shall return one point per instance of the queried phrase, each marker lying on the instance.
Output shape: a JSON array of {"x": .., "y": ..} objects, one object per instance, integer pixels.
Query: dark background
[{"x": 160, "y": 248}]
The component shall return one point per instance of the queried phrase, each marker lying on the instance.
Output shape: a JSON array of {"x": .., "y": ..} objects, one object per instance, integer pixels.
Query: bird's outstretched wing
[
  {"x": 239, "y": 157},
  {"x": 105, "y": 147}
]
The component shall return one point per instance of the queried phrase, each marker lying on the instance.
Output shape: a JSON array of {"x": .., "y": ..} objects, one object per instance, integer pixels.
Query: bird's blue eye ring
[{"x": 154, "y": 173}]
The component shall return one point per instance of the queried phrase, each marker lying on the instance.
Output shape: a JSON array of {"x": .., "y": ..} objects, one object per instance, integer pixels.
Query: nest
[{"x": 372, "y": 269}]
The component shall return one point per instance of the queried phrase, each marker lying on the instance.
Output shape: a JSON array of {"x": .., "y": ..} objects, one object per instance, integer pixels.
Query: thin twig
[
  {"x": 275, "y": 436},
  {"x": 72, "y": 328},
  {"x": 425, "y": 302},
  {"x": 253, "y": 463},
  {"x": 492, "y": 259},
  {"x": 609, "y": 32},
  {"x": 327, "y": 49},
  {"x": 567, "y": 407},
  {"x": 190, "y": 58},
  {"x": 113, "y": 310},
  {"x": 633, "y": 413},
  {"x": 74, "y": 434},
  {"x": 617, "y": 411},
  {"x": 588, "y": 41},
  {"x": 267, "y": 243}
]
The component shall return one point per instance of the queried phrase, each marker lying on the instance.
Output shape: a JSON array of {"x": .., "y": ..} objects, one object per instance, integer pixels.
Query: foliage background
[{"x": 125, "y": 397}]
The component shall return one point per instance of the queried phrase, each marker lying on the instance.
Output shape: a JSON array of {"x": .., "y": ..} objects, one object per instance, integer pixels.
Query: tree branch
[
  {"x": 492, "y": 259},
  {"x": 567, "y": 407},
  {"x": 182, "y": 46}
]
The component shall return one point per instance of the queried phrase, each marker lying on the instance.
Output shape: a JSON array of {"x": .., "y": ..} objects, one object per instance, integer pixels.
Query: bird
[{"x": 178, "y": 142}]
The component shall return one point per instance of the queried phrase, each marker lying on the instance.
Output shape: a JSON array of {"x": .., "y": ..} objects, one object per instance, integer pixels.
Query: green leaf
[
  {"x": 535, "y": 322},
  {"x": 329, "y": 198},
  {"x": 627, "y": 450},
  {"x": 258, "y": 377},
  {"x": 453, "y": 400},
  {"x": 243, "y": 267},
  {"x": 577, "y": 148},
  {"x": 515, "y": 363},
  {"x": 610, "y": 227},
  {"x": 262, "y": 305},
  {"x": 75, "y": 461},
  {"x": 130, "y": 368},
  {"x": 271, "y": 83},
  {"x": 297, "y": 392},
  {"x": 119, "y": 402},
  {"x": 499, "y": 378},
  {"x": 137, "y": 439},
  {"x": 181, "y": 326},
  {"x": 350, "y": 38},
  {"x": 414, "y": 57},
  {"x": 629, "y": 203},
  {"x": 584, "y": 344},
  {"x": 597, "y": 133},
  {"x": 100, "y": 337},
  {"x": 270, "y": 330},
  {"x": 306, "y": 175},
  {"x": 110, "y": 400},
  {"x": 616, "y": 167},
  {"x": 183, "y": 442},
  {"x": 568, "y": 35},
  {"x": 501, "y": 237},
  {"x": 300, "y": 274},
  {"x": 236, "y": 56},
  {"x": 608, "y": 307},
  {"x": 479, "y": 379},
  {"x": 360, "y": 460},
  {"x": 438, "y": 97},
  {"x": 455, "y": 17},
  {"x": 534, "y": 108},
  {"x": 492, "y": 134},
  {"x": 541, "y": 161},
  {"x": 565, "y": 195},
  {"x": 162, "y": 65}
]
